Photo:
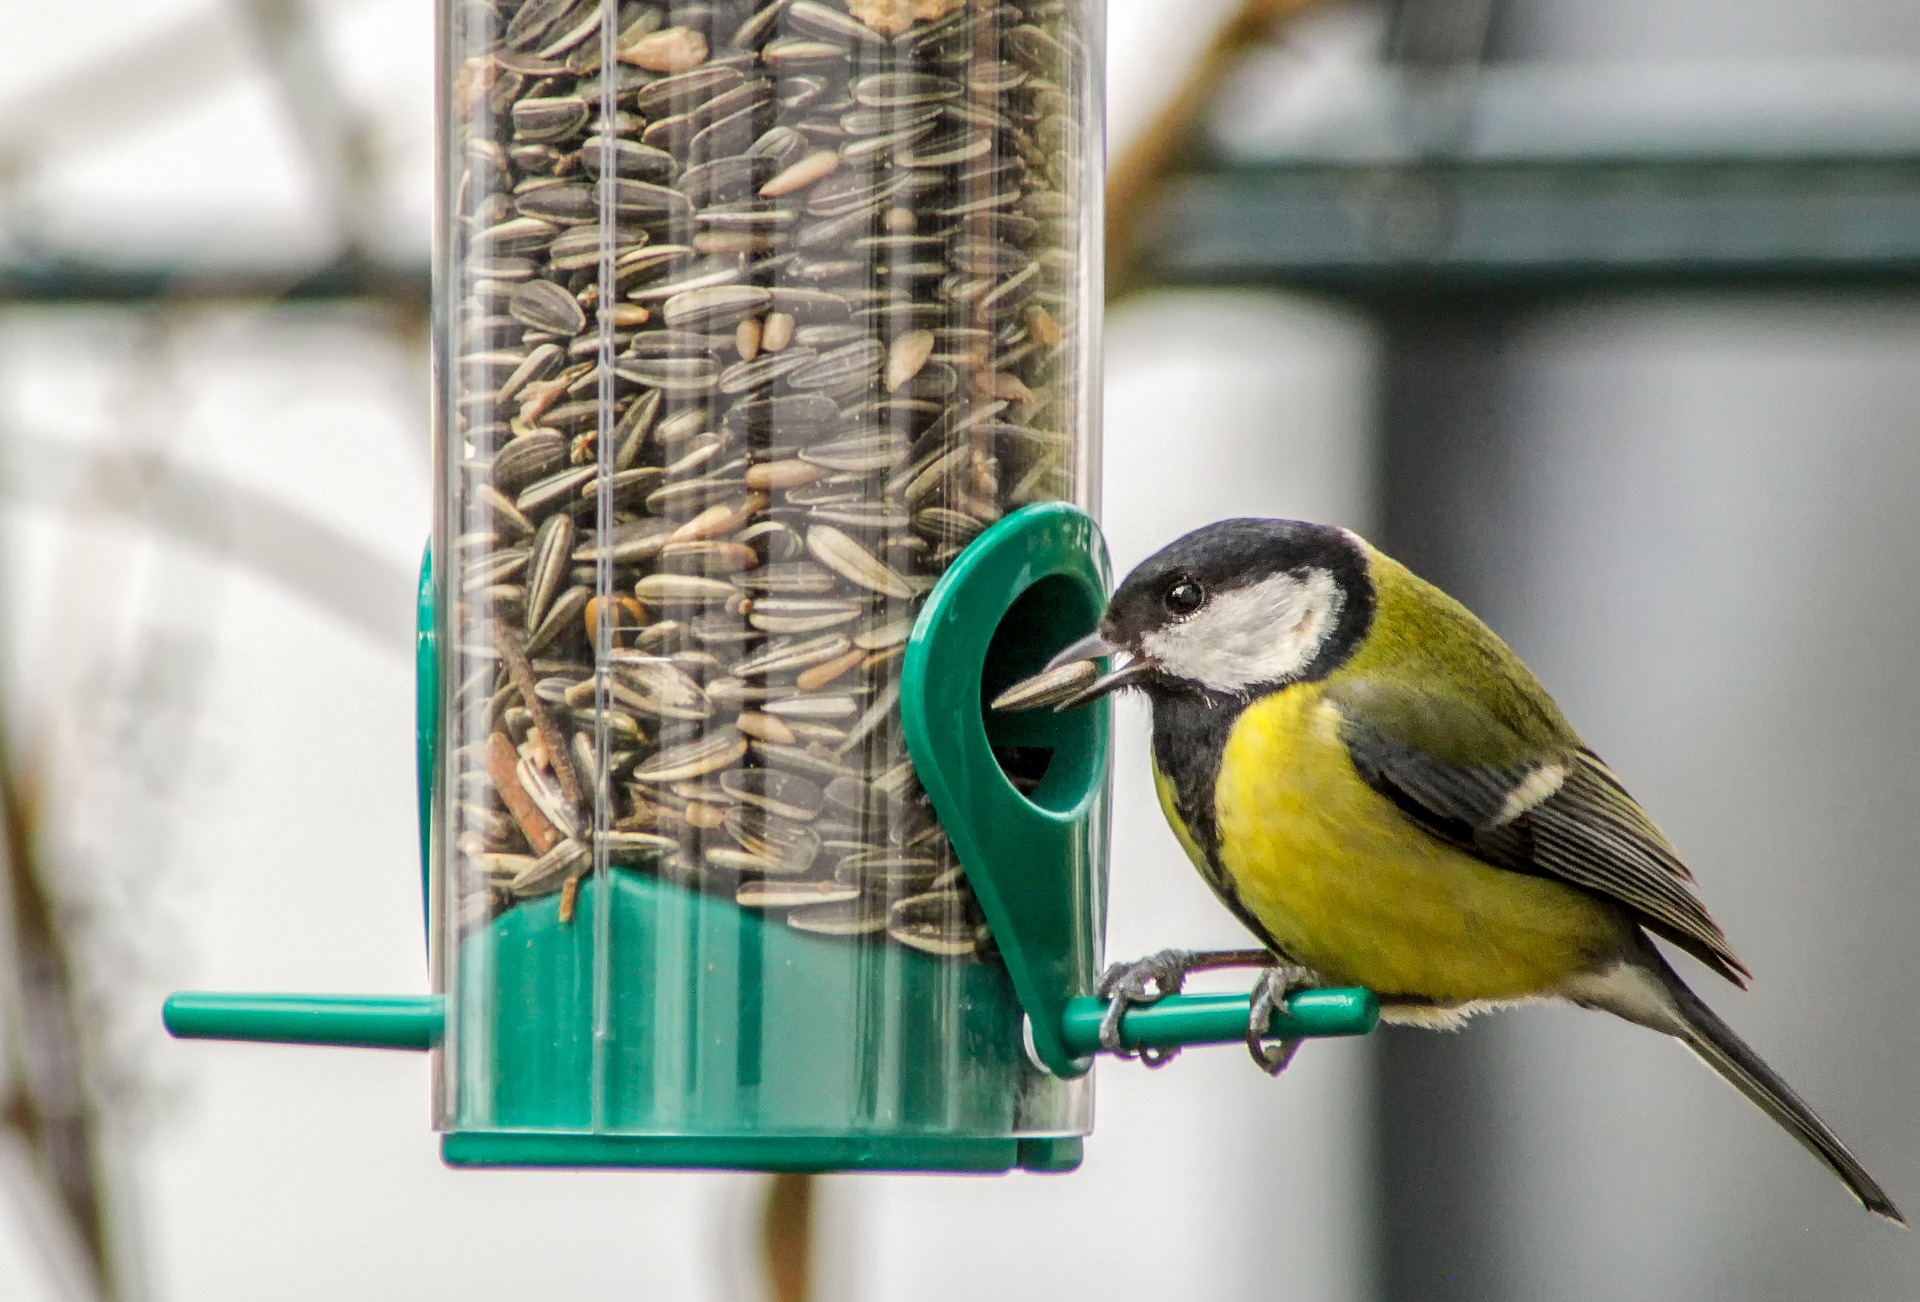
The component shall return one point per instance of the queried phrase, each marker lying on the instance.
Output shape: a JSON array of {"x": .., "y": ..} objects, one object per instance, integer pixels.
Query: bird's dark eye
[{"x": 1184, "y": 597}]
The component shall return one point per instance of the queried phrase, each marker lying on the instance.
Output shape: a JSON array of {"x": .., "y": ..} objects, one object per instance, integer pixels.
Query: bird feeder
[{"x": 766, "y": 347}]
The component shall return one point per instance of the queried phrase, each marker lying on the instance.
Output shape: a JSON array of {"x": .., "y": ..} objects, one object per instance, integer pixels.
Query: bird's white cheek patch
[{"x": 1267, "y": 632}]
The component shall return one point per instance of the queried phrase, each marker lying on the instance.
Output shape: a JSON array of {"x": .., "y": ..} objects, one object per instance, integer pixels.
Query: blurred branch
[
  {"x": 786, "y": 1237},
  {"x": 1438, "y": 34},
  {"x": 169, "y": 67},
  {"x": 1136, "y": 177},
  {"x": 337, "y": 142},
  {"x": 273, "y": 538},
  {"x": 44, "y": 1100},
  {"x": 1439, "y": 46}
]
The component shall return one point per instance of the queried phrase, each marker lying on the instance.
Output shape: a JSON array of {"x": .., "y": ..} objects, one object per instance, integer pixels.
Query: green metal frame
[{"x": 1481, "y": 229}]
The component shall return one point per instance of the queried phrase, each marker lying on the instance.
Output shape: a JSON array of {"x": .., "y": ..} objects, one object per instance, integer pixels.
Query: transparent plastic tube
[{"x": 750, "y": 318}]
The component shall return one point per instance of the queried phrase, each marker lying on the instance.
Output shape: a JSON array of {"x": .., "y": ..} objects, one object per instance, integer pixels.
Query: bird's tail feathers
[{"x": 1651, "y": 993}]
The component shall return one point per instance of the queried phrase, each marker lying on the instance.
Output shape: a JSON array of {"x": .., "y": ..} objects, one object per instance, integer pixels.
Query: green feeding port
[
  {"x": 1055, "y": 760},
  {"x": 1023, "y": 797},
  {"x": 640, "y": 1022}
]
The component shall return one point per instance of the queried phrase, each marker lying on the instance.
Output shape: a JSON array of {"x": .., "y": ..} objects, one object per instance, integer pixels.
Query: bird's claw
[
  {"x": 1270, "y": 994},
  {"x": 1143, "y": 981}
]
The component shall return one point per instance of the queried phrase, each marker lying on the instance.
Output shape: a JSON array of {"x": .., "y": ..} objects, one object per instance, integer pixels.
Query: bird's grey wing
[{"x": 1552, "y": 812}]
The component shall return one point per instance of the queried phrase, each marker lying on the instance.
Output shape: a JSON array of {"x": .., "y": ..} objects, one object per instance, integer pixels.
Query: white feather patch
[
  {"x": 1631, "y": 991},
  {"x": 1266, "y": 632},
  {"x": 1452, "y": 1017},
  {"x": 1539, "y": 785}
]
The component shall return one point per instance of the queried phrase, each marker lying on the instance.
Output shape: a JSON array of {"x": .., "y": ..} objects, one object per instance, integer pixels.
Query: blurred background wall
[
  {"x": 1692, "y": 512},
  {"x": 1685, "y": 499}
]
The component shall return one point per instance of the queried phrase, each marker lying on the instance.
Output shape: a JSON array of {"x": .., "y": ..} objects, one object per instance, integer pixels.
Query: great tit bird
[{"x": 1385, "y": 795}]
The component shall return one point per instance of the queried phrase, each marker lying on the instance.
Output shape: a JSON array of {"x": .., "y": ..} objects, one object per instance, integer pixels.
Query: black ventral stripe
[{"x": 1190, "y": 732}]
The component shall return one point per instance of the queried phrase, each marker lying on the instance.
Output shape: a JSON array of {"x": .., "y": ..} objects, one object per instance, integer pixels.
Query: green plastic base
[
  {"x": 717, "y": 1021},
  {"x": 732, "y": 1153}
]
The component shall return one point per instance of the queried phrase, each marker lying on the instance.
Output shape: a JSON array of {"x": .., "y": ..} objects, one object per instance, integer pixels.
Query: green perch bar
[
  {"x": 345, "y": 1021},
  {"x": 1182, "y": 1020},
  {"x": 418, "y": 1021}
]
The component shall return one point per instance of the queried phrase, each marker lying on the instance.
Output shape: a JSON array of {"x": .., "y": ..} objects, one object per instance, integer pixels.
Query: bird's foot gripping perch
[
  {"x": 1270, "y": 994},
  {"x": 1151, "y": 979}
]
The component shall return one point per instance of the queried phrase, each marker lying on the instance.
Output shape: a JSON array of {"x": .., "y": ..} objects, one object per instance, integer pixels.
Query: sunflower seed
[
  {"x": 797, "y": 176},
  {"x": 565, "y": 613},
  {"x": 777, "y": 475},
  {"x": 547, "y": 569},
  {"x": 832, "y": 370},
  {"x": 881, "y": 637},
  {"x": 855, "y": 917},
  {"x": 759, "y": 372},
  {"x": 1049, "y": 688},
  {"x": 562, "y": 204},
  {"x": 797, "y": 415},
  {"x": 670, "y": 49},
  {"x": 883, "y": 866},
  {"x": 724, "y": 557},
  {"x": 691, "y": 497},
  {"x": 893, "y": 89},
  {"x": 686, "y": 276},
  {"x": 544, "y": 791},
  {"x": 683, "y": 590},
  {"x": 672, "y": 94},
  {"x": 862, "y": 514},
  {"x": 629, "y": 158},
  {"x": 716, "y": 308},
  {"x": 673, "y": 375},
  {"x": 813, "y": 707},
  {"x": 515, "y": 235},
  {"x": 640, "y": 200},
  {"x": 855, "y": 563},
  {"x": 497, "y": 568},
  {"x": 632, "y": 849},
  {"x": 540, "y": 497},
  {"x": 788, "y": 579},
  {"x": 780, "y": 794},
  {"x": 655, "y": 685},
  {"x": 789, "y": 657},
  {"x": 721, "y": 749},
  {"x": 800, "y": 759},
  {"x": 527, "y": 459},
  {"x": 793, "y": 894},
  {"x": 538, "y": 120},
  {"x": 797, "y": 52},
  {"x": 862, "y": 452},
  {"x": 547, "y": 873},
  {"x": 798, "y": 615},
  {"x": 630, "y": 543},
  {"x": 725, "y": 180},
  {"x": 944, "y": 525},
  {"x": 936, "y": 923}
]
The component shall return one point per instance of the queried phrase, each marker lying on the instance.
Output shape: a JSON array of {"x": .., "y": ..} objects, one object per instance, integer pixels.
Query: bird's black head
[{"x": 1240, "y": 608}]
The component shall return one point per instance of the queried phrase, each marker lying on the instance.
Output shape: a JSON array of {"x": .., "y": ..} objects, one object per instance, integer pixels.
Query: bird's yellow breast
[{"x": 1353, "y": 888}]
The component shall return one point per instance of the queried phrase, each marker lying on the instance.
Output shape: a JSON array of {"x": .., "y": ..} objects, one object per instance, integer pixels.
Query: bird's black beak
[{"x": 1073, "y": 677}]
